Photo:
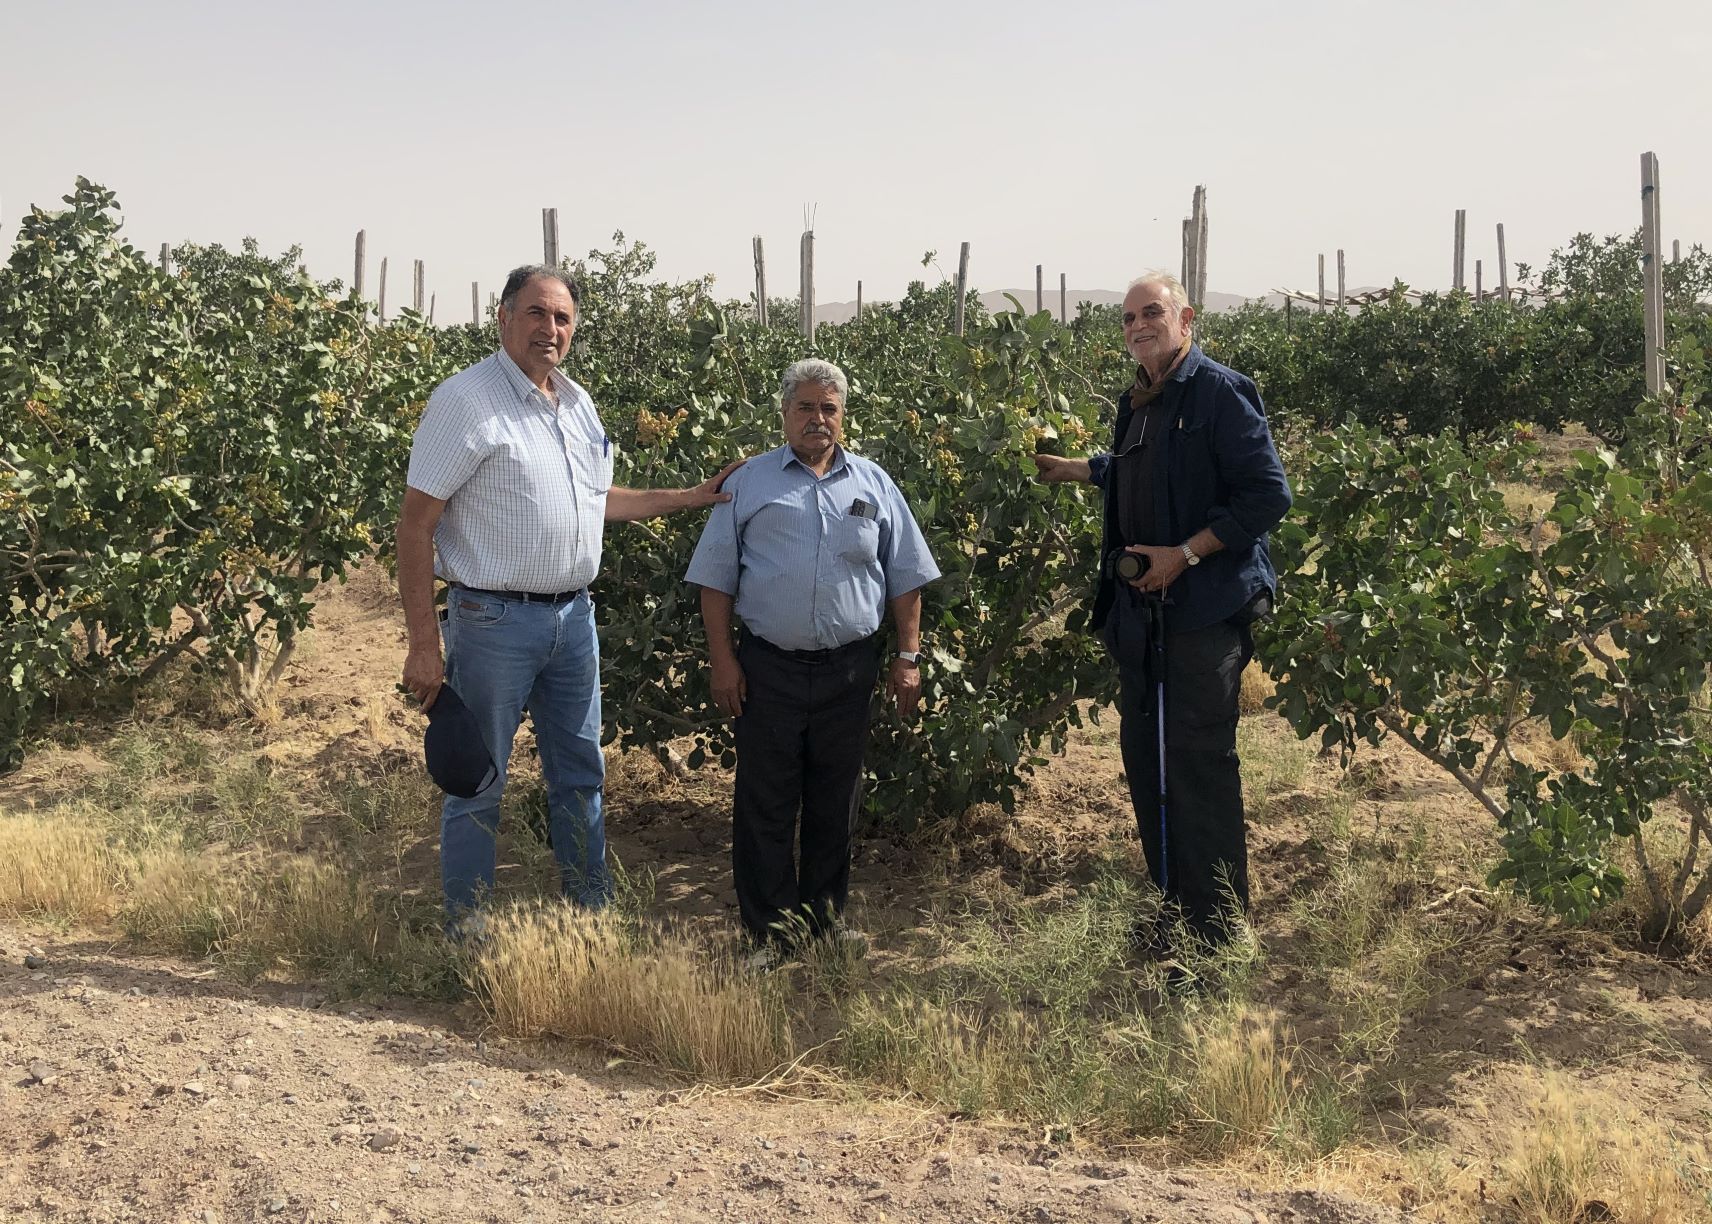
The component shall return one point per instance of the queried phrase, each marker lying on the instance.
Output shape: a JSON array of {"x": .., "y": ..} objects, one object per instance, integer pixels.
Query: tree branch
[
  {"x": 1007, "y": 641},
  {"x": 1655, "y": 886},
  {"x": 1470, "y": 783},
  {"x": 1699, "y": 829},
  {"x": 1589, "y": 643},
  {"x": 678, "y": 720},
  {"x": 186, "y": 644},
  {"x": 1502, "y": 743},
  {"x": 1046, "y": 715}
]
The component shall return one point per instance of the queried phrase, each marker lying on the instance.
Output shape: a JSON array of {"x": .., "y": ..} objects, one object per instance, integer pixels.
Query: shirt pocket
[
  {"x": 591, "y": 465},
  {"x": 858, "y": 540}
]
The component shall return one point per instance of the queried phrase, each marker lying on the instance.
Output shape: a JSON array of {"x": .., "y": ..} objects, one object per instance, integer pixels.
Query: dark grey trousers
[
  {"x": 800, "y": 741},
  {"x": 1197, "y": 849}
]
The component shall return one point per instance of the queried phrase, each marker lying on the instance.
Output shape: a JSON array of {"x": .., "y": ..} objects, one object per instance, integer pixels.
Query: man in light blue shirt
[{"x": 812, "y": 549}]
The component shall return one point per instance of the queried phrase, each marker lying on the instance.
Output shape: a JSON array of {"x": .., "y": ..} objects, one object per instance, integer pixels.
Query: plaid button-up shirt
[{"x": 524, "y": 479}]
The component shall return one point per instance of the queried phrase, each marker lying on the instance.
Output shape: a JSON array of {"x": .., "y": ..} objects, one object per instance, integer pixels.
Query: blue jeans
[{"x": 504, "y": 656}]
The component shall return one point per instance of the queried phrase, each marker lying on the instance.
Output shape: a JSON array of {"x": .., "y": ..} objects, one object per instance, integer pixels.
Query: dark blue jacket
[{"x": 1217, "y": 468}]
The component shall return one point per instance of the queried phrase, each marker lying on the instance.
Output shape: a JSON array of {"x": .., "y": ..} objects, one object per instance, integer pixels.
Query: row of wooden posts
[
  {"x": 1194, "y": 272},
  {"x": 1652, "y": 274}
]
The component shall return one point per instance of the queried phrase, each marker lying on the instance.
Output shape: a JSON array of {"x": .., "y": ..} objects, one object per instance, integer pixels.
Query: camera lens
[{"x": 1130, "y": 566}]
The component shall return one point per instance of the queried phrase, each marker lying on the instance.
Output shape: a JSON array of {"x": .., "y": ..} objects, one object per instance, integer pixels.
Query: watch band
[
  {"x": 1189, "y": 555},
  {"x": 910, "y": 656}
]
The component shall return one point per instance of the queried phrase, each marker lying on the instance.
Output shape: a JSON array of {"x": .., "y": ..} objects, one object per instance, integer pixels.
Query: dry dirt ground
[
  {"x": 142, "y": 1089},
  {"x": 135, "y": 1087}
]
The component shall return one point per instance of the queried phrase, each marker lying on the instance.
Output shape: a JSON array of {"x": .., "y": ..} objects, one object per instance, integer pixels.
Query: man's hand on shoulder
[
  {"x": 709, "y": 492},
  {"x": 1055, "y": 469},
  {"x": 628, "y": 505}
]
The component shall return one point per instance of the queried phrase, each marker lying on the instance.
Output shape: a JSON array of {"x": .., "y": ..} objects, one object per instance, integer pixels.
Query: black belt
[
  {"x": 560, "y": 597},
  {"x": 825, "y": 655}
]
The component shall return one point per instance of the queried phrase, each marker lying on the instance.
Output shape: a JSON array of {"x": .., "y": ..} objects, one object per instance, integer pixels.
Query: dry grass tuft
[
  {"x": 55, "y": 869},
  {"x": 1239, "y": 1088},
  {"x": 1256, "y": 688},
  {"x": 1574, "y": 1162},
  {"x": 297, "y": 917},
  {"x": 181, "y": 900},
  {"x": 553, "y": 970}
]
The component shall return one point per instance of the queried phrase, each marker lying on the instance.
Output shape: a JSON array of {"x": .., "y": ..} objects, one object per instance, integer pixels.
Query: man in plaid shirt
[{"x": 510, "y": 484}]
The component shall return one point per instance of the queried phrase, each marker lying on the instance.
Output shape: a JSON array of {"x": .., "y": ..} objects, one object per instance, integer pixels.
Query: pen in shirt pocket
[{"x": 605, "y": 445}]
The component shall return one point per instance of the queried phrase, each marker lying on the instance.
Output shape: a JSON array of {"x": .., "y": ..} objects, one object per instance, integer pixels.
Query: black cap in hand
[{"x": 458, "y": 760}]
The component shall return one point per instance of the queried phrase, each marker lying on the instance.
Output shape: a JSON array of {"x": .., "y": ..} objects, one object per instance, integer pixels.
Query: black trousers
[
  {"x": 800, "y": 741},
  {"x": 1197, "y": 849}
]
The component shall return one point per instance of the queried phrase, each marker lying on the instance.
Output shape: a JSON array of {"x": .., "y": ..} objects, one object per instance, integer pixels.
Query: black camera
[{"x": 1126, "y": 566}]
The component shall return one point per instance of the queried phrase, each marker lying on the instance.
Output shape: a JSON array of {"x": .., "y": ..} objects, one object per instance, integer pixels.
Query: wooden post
[
  {"x": 1341, "y": 294},
  {"x": 1456, "y": 278},
  {"x": 431, "y": 300},
  {"x": 420, "y": 295},
  {"x": 1503, "y": 266},
  {"x": 383, "y": 289},
  {"x": 805, "y": 307},
  {"x": 1479, "y": 282},
  {"x": 962, "y": 285},
  {"x": 492, "y": 303},
  {"x": 858, "y": 301},
  {"x": 1195, "y": 249},
  {"x": 1676, "y": 250},
  {"x": 1063, "y": 298},
  {"x": 475, "y": 304},
  {"x": 1322, "y": 282},
  {"x": 1039, "y": 288},
  {"x": 1198, "y": 239},
  {"x": 362, "y": 262},
  {"x": 1652, "y": 272},
  {"x": 760, "y": 283},
  {"x": 166, "y": 257},
  {"x": 1289, "y": 314},
  {"x": 550, "y": 237}
]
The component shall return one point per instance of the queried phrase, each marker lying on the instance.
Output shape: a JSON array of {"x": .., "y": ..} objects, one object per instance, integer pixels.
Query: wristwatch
[
  {"x": 1189, "y": 555},
  {"x": 912, "y": 657}
]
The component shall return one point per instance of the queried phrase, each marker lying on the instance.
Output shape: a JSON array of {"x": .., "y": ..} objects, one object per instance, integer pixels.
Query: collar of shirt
[
  {"x": 1185, "y": 369},
  {"x": 528, "y": 392},
  {"x": 1191, "y": 361},
  {"x": 789, "y": 457}
]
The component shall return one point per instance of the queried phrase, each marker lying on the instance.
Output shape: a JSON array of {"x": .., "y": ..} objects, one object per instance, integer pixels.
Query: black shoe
[{"x": 1150, "y": 939}]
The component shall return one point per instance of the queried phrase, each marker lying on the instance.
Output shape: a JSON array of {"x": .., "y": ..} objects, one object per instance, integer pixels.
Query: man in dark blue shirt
[{"x": 1192, "y": 485}]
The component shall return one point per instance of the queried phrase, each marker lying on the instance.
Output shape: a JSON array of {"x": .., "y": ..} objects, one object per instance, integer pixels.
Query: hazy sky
[{"x": 1069, "y": 134}]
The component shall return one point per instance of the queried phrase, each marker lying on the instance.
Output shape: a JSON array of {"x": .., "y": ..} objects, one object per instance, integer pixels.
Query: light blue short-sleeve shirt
[{"x": 806, "y": 572}]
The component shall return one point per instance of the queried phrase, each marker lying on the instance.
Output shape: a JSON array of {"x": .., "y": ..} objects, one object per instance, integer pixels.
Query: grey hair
[
  {"x": 520, "y": 277},
  {"x": 813, "y": 370},
  {"x": 1173, "y": 287}
]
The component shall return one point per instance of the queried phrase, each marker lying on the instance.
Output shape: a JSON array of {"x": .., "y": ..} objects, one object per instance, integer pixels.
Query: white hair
[
  {"x": 1173, "y": 287},
  {"x": 813, "y": 370}
]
